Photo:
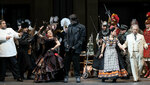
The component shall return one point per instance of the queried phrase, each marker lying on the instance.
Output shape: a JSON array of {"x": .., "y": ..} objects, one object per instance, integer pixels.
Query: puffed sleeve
[{"x": 104, "y": 40}]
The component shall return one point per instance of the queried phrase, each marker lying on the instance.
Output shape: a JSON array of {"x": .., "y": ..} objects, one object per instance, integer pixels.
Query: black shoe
[
  {"x": 66, "y": 79},
  {"x": 114, "y": 80},
  {"x": 20, "y": 79},
  {"x": 78, "y": 79},
  {"x": 103, "y": 80}
]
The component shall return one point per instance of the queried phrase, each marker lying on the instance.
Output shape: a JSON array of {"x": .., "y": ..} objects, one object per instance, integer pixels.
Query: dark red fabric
[{"x": 147, "y": 39}]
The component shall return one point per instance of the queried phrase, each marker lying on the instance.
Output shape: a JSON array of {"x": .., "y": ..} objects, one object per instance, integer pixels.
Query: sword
[
  {"x": 107, "y": 11},
  {"x": 93, "y": 24}
]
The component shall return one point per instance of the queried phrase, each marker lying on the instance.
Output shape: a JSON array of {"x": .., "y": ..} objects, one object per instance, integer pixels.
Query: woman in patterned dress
[{"x": 112, "y": 67}]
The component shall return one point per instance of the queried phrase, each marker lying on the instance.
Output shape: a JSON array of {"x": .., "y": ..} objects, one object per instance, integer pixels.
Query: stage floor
[{"x": 90, "y": 81}]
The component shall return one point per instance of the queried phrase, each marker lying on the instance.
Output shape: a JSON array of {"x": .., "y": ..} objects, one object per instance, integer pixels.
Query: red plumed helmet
[
  {"x": 114, "y": 18},
  {"x": 148, "y": 18},
  {"x": 148, "y": 14}
]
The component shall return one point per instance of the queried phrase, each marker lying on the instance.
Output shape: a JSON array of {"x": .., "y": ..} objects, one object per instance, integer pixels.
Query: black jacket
[
  {"x": 75, "y": 37},
  {"x": 24, "y": 41}
]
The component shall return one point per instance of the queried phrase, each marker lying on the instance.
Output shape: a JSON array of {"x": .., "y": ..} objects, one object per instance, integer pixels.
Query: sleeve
[
  {"x": 16, "y": 35},
  {"x": 144, "y": 43},
  {"x": 117, "y": 41},
  {"x": 82, "y": 38},
  {"x": 66, "y": 39},
  {"x": 2, "y": 38},
  {"x": 104, "y": 40},
  {"x": 126, "y": 43}
]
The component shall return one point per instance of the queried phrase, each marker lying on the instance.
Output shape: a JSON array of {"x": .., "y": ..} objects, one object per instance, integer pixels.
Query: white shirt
[{"x": 7, "y": 47}]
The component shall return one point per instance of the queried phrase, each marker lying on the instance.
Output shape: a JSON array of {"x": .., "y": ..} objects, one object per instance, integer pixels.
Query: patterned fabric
[
  {"x": 48, "y": 64},
  {"x": 113, "y": 74},
  {"x": 111, "y": 62},
  {"x": 111, "y": 57},
  {"x": 147, "y": 39}
]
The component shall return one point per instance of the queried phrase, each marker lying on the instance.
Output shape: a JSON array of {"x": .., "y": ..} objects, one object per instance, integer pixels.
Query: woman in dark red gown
[{"x": 146, "y": 34}]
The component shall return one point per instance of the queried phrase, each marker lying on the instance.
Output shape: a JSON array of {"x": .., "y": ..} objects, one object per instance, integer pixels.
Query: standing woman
[
  {"x": 112, "y": 68},
  {"x": 50, "y": 63}
]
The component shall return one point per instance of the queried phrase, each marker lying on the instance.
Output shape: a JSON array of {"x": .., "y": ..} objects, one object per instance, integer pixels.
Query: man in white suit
[{"x": 136, "y": 43}]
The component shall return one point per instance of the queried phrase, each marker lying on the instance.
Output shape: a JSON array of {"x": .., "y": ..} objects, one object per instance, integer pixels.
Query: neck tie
[{"x": 135, "y": 36}]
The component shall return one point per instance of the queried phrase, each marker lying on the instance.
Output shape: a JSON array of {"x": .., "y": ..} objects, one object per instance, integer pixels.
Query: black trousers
[
  {"x": 11, "y": 62},
  {"x": 25, "y": 63},
  {"x": 71, "y": 56}
]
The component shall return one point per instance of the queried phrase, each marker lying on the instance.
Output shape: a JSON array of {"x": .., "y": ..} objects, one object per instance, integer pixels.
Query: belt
[{"x": 135, "y": 51}]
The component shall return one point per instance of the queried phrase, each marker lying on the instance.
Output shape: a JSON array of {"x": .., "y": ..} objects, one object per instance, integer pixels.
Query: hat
[
  {"x": 114, "y": 19},
  {"x": 24, "y": 25},
  {"x": 54, "y": 19},
  {"x": 123, "y": 27},
  {"x": 104, "y": 23},
  {"x": 148, "y": 18},
  {"x": 148, "y": 15}
]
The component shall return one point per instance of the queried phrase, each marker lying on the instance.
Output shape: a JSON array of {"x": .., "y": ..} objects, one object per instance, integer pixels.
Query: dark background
[
  {"x": 38, "y": 10},
  {"x": 126, "y": 11}
]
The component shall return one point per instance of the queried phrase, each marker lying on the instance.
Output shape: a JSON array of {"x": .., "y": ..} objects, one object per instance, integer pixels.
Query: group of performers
[
  {"x": 122, "y": 52},
  {"x": 47, "y": 51}
]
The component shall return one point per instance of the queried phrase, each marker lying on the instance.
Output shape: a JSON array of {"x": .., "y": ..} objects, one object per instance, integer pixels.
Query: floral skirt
[{"x": 48, "y": 66}]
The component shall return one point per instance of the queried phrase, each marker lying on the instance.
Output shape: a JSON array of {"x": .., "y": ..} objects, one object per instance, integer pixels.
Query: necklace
[
  {"x": 111, "y": 41},
  {"x": 105, "y": 32}
]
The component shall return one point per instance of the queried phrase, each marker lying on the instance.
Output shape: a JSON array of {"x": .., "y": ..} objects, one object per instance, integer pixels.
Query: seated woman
[
  {"x": 111, "y": 67},
  {"x": 49, "y": 63}
]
